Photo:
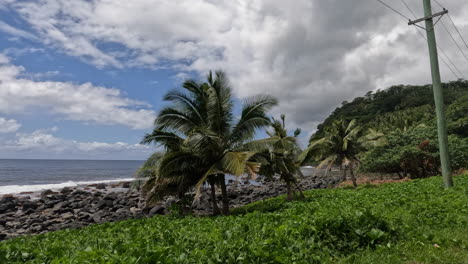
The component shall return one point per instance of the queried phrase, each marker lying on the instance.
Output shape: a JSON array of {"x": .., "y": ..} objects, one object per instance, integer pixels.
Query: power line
[
  {"x": 443, "y": 60},
  {"x": 455, "y": 26},
  {"x": 456, "y": 43},
  {"x": 422, "y": 35},
  {"x": 394, "y": 10},
  {"x": 442, "y": 51}
]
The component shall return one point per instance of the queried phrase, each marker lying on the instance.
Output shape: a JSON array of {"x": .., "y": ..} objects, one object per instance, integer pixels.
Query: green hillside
[
  {"x": 397, "y": 127},
  {"x": 410, "y": 104},
  {"x": 412, "y": 222}
]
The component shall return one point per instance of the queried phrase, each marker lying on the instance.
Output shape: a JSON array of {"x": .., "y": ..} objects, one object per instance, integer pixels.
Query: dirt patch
[{"x": 371, "y": 180}]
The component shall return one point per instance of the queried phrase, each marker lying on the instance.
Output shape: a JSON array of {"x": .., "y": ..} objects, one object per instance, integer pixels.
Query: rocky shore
[{"x": 47, "y": 211}]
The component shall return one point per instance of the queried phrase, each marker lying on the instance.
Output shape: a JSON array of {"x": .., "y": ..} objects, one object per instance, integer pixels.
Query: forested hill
[{"x": 403, "y": 105}]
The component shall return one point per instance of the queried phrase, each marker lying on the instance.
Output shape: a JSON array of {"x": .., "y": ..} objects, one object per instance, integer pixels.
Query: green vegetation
[
  {"x": 411, "y": 222},
  {"x": 404, "y": 118},
  {"x": 202, "y": 140},
  {"x": 402, "y": 104},
  {"x": 279, "y": 156},
  {"x": 342, "y": 143},
  {"x": 414, "y": 153}
]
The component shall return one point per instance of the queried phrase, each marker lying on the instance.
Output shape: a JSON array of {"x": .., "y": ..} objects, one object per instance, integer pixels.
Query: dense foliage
[
  {"x": 396, "y": 100},
  {"x": 392, "y": 223},
  {"x": 280, "y": 157},
  {"x": 342, "y": 142},
  {"x": 414, "y": 153},
  {"x": 405, "y": 116}
]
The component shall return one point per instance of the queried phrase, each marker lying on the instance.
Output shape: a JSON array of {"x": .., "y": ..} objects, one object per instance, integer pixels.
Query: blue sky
[{"x": 84, "y": 79}]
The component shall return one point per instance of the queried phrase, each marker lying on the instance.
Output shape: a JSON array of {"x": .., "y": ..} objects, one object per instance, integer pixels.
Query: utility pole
[{"x": 437, "y": 89}]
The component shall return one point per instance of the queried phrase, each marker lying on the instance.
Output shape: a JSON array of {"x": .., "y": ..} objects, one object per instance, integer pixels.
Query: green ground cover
[{"x": 411, "y": 222}]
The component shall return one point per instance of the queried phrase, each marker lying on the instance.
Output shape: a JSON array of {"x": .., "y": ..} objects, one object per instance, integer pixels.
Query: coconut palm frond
[
  {"x": 173, "y": 119},
  {"x": 186, "y": 104},
  {"x": 211, "y": 171},
  {"x": 169, "y": 140},
  {"x": 235, "y": 162}
]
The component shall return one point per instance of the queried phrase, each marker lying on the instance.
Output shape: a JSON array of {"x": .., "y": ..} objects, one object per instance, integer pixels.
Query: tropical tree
[
  {"x": 340, "y": 146},
  {"x": 280, "y": 157},
  {"x": 202, "y": 139}
]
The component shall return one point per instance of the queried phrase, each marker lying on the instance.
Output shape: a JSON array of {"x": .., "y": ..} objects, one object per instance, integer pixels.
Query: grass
[{"x": 411, "y": 222}]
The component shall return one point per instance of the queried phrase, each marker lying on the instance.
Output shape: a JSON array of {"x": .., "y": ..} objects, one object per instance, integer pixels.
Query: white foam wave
[{"x": 11, "y": 189}]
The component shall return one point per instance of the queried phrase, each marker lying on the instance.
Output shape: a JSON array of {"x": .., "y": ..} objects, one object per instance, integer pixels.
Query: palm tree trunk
[
  {"x": 224, "y": 195},
  {"x": 290, "y": 193},
  {"x": 299, "y": 189},
  {"x": 213, "y": 200},
  {"x": 352, "y": 176},
  {"x": 399, "y": 175}
]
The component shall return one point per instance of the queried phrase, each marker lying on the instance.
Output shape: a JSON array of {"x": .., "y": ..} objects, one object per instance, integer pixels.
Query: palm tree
[
  {"x": 280, "y": 156},
  {"x": 202, "y": 140},
  {"x": 342, "y": 142}
]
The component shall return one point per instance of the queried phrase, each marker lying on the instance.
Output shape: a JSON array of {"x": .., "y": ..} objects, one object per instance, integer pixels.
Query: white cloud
[
  {"x": 311, "y": 54},
  {"x": 4, "y": 59},
  {"x": 81, "y": 102},
  {"x": 15, "y": 31},
  {"x": 8, "y": 125},
  {"x": 44, "y": 143}
]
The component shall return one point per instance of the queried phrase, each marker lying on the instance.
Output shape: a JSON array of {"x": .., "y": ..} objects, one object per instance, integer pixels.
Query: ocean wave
[{"x": 11, "y": 189}]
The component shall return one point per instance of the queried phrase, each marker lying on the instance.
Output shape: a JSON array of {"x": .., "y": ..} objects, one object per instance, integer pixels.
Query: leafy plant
[
  {"x": 202, "y": 140},
  {"x": 392, "y": 223},
  {"x": 280, "y": 157}
]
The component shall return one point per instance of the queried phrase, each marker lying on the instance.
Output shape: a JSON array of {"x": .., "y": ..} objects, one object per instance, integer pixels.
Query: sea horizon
[{"x": 32, "y": 175}]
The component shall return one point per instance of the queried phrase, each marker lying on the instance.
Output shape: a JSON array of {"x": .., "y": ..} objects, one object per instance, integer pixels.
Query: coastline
[{"x": 73, "y": 207}]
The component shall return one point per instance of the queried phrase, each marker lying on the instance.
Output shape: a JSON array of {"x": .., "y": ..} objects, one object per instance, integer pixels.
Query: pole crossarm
[{"x": 441, "y": 13}]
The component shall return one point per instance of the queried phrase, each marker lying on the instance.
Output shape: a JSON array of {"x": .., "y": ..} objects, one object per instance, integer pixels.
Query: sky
[{"x": 85, "y": 79}]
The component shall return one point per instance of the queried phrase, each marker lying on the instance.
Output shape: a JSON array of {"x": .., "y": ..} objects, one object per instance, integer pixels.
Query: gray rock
[
  {"x": 8, "y": 198},
  {"x": 98, "y": 216},
  {"x": 158, "y": 209},
  {"x": 47, "y": 192},
  {"x": 79, "y": 192},
  {"x": 67, "y": 216},
  {"x": 101, "y": 186},
  {"x": 7, "y": 207},
  {"x": 66, "y": 190},
  {"x": 111, "y": 196},
  {"x": 104, "y": 203},
  {"x": 30, "y": 205}
]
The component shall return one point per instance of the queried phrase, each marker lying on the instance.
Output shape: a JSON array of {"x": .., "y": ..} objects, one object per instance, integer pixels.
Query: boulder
[
  {"x": 111, "y": 196},
  {"x": 98, "y": 216},
  {"x": 101, "y": 186},
  {"x": 158, "y": 209},
  {"x": 47, "y": 192},
  {"x": 66, "y": 216},
  {"x": 79, "y": 192},
  {"x": 66, "y": 190},
  {"x": 104, "y": 203},
  {"x": 29, "y": 205},
  {"x": 126, "y": 185},
  {"x": 61, "y": 207},
  {"x": 7, "y": 207},
  {"x": 8, "y": 198}
]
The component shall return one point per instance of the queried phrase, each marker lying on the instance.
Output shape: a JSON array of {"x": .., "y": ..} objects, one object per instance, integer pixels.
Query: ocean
[{"x": 21, "y": 175}]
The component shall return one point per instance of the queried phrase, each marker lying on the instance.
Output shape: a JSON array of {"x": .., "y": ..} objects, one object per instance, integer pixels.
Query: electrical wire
[
  {"x": 439, "y": 48},
  {"x": 455, "y": 26},
  {"x": 456, "y": 43},
  {"x": 394, "y": 10}
]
